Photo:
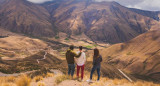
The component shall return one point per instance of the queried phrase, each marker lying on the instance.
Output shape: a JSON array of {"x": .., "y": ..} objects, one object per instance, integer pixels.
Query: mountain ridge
[{"x": 101, "y": 21}]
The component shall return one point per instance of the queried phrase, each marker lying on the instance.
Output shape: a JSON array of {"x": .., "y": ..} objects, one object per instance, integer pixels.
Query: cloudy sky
[
  {"x": 153, "y": 5},
  {"x": 38, "y": 1}
]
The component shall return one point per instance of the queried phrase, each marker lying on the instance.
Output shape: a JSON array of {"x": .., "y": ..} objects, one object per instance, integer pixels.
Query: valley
[{"x": 35, "y": 37}]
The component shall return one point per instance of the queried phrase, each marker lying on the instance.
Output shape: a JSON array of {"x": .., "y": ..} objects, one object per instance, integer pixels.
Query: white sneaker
[{"x": 89, "y": 80}]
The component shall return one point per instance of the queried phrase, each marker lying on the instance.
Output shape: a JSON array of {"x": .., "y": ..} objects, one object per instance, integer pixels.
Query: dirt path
[
  {"x": 44, "y": 57},
  {"x": 73, "y": 83},
  {"x": 50, "y": 81}
]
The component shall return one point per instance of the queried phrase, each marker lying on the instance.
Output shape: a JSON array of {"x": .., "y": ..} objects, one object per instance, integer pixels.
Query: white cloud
[
  {"x": 153, "y": 5},
  {"x": 38, "y": 1}
]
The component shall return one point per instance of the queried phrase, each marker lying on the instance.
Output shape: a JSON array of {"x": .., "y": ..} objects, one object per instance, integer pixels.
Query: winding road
[{"x": 44, "y": 57}]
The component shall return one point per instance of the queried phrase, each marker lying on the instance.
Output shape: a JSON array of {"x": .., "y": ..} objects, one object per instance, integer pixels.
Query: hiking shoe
[
  {"x": 89, "y": 80},
  {"x": 98, "y": 80},
  {"x": 82, "y": 80}
]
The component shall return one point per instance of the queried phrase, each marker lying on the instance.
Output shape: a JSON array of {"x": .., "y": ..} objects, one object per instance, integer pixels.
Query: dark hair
[
  {"x": 80, "y": 47},
  {"x": 96, "y": 53},
  {"x": 71, "y": 47}
]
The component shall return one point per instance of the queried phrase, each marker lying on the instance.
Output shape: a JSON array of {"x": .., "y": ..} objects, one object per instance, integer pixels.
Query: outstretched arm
[{"x": 77, "y": 55}]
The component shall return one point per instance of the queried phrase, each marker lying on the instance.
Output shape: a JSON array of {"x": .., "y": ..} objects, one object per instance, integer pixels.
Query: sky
[
  {"x": 152, "y": 5},
  {"x": 38, "y": 1}
]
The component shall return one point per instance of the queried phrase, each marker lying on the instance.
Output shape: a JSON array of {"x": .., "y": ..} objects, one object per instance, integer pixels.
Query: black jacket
[{"x": 97, "y": 61}]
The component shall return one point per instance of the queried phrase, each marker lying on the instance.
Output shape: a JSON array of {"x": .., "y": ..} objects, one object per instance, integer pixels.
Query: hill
[
  {"x": 23, "y": 17},
  {"x": 140, "y": 56},
  {"x": 16, "y": 47}
]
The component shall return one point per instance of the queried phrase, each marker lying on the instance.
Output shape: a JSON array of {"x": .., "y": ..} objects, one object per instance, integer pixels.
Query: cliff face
[{"x": 100, "y": 21}]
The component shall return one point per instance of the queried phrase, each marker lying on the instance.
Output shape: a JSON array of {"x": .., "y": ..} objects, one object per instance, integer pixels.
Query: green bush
[
  {"x": 88, "y": 46},
  {"x": 57, "y": 37},
  {"x": 67, "y": 39}
]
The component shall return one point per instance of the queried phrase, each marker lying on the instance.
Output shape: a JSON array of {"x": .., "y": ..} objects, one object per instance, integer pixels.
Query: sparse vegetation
[
  {"x": 23, "y": 81},
  {"x": 89, "y": 47},
  {"x": 57, "y": 37},
  {"x": 129, "y": 53},
  {"x": 41, "y": 84},
  {"x": 67, "y": 39},
  {"x": 95, "y": 45},
  {"x": 38, "y": 78},
  {"x": 61, "y": 78}
]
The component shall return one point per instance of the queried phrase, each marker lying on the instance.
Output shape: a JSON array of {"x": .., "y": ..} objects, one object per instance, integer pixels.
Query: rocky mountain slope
[
  {"x": 139, "y": 56},
  {"x": 101, "y": 21},
  {"x": 154, "y": 15},
  {"x": 24, "y": 17}
]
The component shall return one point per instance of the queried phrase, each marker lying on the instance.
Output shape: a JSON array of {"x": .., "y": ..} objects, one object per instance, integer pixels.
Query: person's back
[
  {"x": 82, "y": 59},
  {"x": 97, "y": 61},
  {"x": 70, "y": 56}
]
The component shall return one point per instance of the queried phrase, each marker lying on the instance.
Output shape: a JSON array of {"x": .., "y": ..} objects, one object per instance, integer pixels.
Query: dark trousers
[
  {"x": 71, "y": 69},
  {"x": 95, "y": 67},
  {"x": 82, "y": 71}
]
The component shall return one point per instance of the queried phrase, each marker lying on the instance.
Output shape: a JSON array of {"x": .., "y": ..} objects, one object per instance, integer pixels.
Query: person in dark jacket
[
  {"x": 97, "y": 59},
  {"x": 70, "y": 54}
]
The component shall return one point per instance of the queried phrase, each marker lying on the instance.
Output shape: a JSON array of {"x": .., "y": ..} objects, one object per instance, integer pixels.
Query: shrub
[
  {"x": 49, "y": 75},
  {"x": 61, "y": 78},
  {"x": 57, "y": 37},
  {"x": 23, "y": 81},
  {"x": 41, "y": 84},
  {"x": 66, "y": 39},
  {"x": 38, "y": 78},
  {"x": 129, "y": 53},
  {"x": 88, "y": 46}
]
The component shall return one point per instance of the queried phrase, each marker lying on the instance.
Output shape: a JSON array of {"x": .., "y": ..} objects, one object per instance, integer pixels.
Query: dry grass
[
  {"x": 15, "y": 81},
  {"x": 61, "y": 78},
  {"x": 40, "y": 77},
  {"x": 7, "y": 81},
  {"x": 41, "y": 84},
  {"x": 23, "y": 81},
  {"x": 37, "y": 78},
  {"x": 49, "y": 75}
]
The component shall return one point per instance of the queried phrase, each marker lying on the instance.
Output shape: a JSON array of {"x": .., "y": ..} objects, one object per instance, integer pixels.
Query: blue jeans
[
  {"x": 71, "y": 69},
  {"x": 95, "y": 67}
]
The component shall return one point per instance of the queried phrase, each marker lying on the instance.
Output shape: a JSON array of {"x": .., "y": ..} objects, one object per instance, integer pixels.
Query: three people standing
[{"x": 80, "y": 59}]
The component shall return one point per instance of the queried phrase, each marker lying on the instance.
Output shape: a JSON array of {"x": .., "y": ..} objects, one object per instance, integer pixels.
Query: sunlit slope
[{"x": 138, "y": 56}]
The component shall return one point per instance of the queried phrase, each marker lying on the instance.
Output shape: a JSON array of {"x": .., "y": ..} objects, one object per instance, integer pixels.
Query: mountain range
[{"x": 100, "y": 21}]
